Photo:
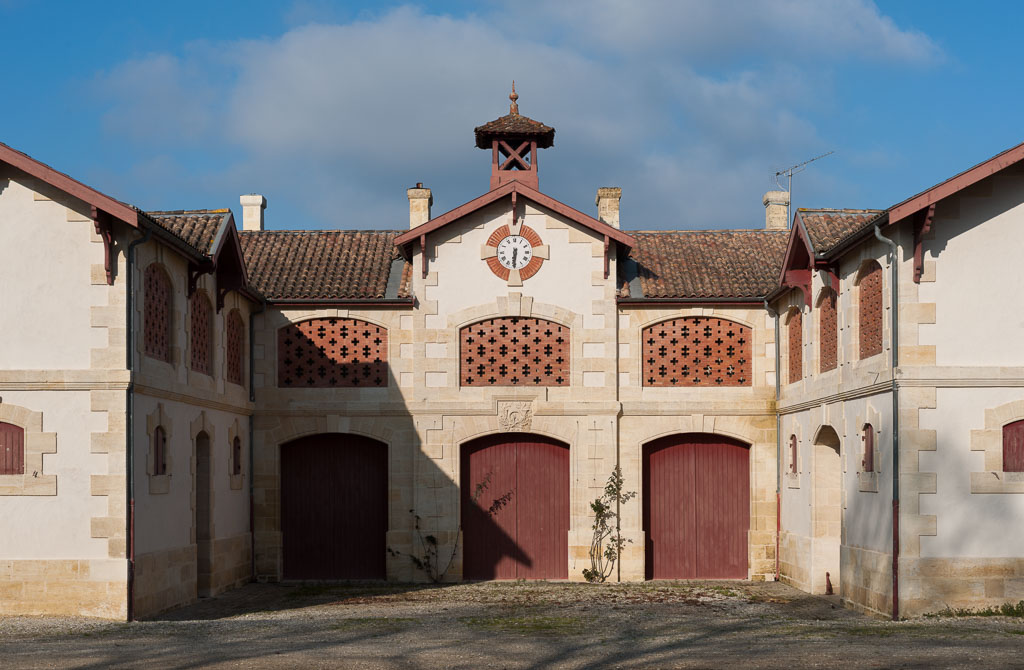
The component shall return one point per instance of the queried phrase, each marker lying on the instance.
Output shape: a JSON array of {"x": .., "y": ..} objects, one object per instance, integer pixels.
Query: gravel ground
[{"x": 513, "y": 625}]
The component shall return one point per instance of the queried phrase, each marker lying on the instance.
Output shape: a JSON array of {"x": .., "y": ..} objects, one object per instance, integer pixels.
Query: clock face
[{"x": 515, "y": 252}]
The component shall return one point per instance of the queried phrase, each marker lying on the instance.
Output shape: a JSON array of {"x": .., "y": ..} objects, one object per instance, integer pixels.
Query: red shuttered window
[
  {"x": 868, "y": 462},
  {"x": 696, "y": 351},
  {"x": 870, "y": 310},
  {"x": 201, "y": 316},
  {"x": 236, "y": 456},
  {"x": 796, "y": 346},
  {"x": 792, "y": 455},
  {"x": 1013, "y": 447},
  {"x": 235, "y": 330},
  {"x": 828, "y": 337},
  {"x": 12, "y": 449},
  {"x": 156, "y": 325},
  {"x": 159, "y": 451}
]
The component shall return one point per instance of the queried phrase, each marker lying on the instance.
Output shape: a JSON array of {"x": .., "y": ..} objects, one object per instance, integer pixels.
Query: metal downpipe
[
  {"x": 129, "y": 347},
  {"x": 778, "y": 440},
  {"x": 895, "y": 336}
]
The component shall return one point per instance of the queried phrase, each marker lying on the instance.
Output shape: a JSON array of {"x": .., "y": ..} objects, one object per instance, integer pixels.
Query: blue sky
[{"x": 332, "y": 110}]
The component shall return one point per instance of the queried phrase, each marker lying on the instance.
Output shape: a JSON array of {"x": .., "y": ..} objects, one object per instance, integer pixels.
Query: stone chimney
[
  {"x": 607, "y": 202},
  {"x": 252, "y": 211},
  {"x": 776, "y": 204},
  {"x": 420, "y": 200}
]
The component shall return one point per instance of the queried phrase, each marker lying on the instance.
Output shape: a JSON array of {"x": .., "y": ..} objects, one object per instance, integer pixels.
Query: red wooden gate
[
  {"x": 528, "y": 537},
  {"x": 334, "y": 507},
  {"x": 696, "y": 507}
]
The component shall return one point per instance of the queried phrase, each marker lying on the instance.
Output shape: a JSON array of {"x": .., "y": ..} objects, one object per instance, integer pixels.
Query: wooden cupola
[{"x": 513, "y": 140}]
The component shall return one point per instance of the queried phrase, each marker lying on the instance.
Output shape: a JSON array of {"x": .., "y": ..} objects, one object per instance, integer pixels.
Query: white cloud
[{"x": 336, "y": 120}]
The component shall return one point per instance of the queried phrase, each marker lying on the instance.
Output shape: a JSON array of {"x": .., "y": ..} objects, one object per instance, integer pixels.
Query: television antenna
[{"x": 788, "y": 174}]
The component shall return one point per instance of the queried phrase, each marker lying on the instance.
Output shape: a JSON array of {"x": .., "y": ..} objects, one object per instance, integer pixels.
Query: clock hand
[{"x": 515, "y": 250}]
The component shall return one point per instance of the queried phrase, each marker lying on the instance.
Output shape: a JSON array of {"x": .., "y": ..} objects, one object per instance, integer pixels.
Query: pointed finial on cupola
[{"x": 513, "y": 96}]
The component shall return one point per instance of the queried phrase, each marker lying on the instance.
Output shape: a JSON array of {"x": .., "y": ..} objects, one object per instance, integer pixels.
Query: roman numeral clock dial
[{"x": 514, "y": 253}]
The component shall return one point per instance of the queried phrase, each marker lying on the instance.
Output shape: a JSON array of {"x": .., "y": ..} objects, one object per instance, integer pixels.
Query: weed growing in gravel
[
  {"x": 1006, "y": 609},
  {"x": 876, "y": 631}
]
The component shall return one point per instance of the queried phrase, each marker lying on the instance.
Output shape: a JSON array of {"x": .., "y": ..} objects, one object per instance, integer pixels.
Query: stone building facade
[{"x": 186, "y": 406}]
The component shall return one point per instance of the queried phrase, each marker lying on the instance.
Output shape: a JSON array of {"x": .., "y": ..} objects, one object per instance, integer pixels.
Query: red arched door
[
  {"x": 696, "y": 507},
  {"x": 334, "y": 507},
  {"x": 528, "y": 537}
]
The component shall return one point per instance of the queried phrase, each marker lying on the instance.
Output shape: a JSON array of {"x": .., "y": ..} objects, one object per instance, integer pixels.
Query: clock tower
[{"x": 513, "y": 140}]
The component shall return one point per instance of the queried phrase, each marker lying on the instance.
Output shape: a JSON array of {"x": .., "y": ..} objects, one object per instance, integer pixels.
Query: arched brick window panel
[
  {"x": 157, "y": 310},
  {"x": 792, "y": 454},
  {"x": 332, "y": 353},
  {"x": 696, "y": 351},
  {"x": 870, "y": 310},
  {"x": 1013, "y": 447},
  {"x": 828, "y": 335},
  {"x": 201, "y": 329},
  {"x": 159, "y": 451},
  {"x": 235, "y": 335},
  {"x": 12, "y": 449},
  {"x": 514, "y": 351},
  {"x": 868, "y": 462},
  {"x": 795, "y": 332},
  {"x": 236, "y": 456}
]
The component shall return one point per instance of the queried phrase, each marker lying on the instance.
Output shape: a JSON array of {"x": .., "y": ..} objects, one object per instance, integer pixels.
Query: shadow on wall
[{"x": 349, "y": 503}]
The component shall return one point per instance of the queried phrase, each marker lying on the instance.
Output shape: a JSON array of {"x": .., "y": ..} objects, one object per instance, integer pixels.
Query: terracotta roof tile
[
  {"x": 828, "y": 227},
  {"x": 196, "y": 228},
  {"x": 326, "y": 265},
  {"x": 514, "y": 126},
  {"x": 703, "y": 264}
]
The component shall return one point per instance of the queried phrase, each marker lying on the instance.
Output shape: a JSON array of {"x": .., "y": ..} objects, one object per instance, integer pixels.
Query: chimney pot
[
  {"x": 420, "y": 200},
  {"x": 252, "y": 211},
  {"x": 607, "y": 202},
  {"x": 776, "y": 204}
]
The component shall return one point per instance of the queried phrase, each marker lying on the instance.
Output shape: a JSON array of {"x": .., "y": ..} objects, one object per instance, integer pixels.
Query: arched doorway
[
  {"x": 527, "y": 537},
  {"x": 696, "y": 507},
  {"x": 334, "y": 507},
  {"x": 826, "y": 511},
  {"x": 203, "y": 521}
]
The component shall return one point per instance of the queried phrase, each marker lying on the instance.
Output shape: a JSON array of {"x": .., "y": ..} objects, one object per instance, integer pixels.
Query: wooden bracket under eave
[
  {"x": 105, "y": 229},
  {"x": 800, "y": 279},
  {"x": 607, "y": 257},
  {"x": 923, "y": 220},
  {"x": 194, "y": 271},
  {"x": 831, "y": 276},
  {"x": 423, "y": 254}
]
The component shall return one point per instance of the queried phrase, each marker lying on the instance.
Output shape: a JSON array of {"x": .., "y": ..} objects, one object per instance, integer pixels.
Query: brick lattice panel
[
  {"x": 828, "y": 338},
  {"x": 332, "y": 353},
  {"x": 201, "y": 312},
  {"x": 871, "y": 312},
  {"x": 696, "y": 351},
  {"x": 157, "y": 314},
  {"x": 235, "y": 349},
  {"x": 514, "y": 351},
  {"x": 796, "y": 346}
]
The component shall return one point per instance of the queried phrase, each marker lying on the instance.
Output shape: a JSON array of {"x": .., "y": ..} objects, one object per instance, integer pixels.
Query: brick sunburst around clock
[{"x": 514, "y": 253}]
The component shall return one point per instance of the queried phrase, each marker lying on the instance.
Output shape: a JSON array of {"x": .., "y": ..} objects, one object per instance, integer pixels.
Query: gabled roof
[
  {"x": 826, "y": 228},
  {"x": 511, "y": 189},
  {"x": 197, "y": 227},
  {"x": 702, "y": 264},
  {"x": 327, "y": 265},
  {"x": 63, "y": 182},
  {"x": 956, "y": 183}
]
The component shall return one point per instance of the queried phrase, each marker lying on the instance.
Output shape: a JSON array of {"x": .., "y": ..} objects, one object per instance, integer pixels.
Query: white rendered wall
[
  {"x": 980, "y": 525},
  {"x": 978, "y": 243},
  {"x": 55, "y": 527}
]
